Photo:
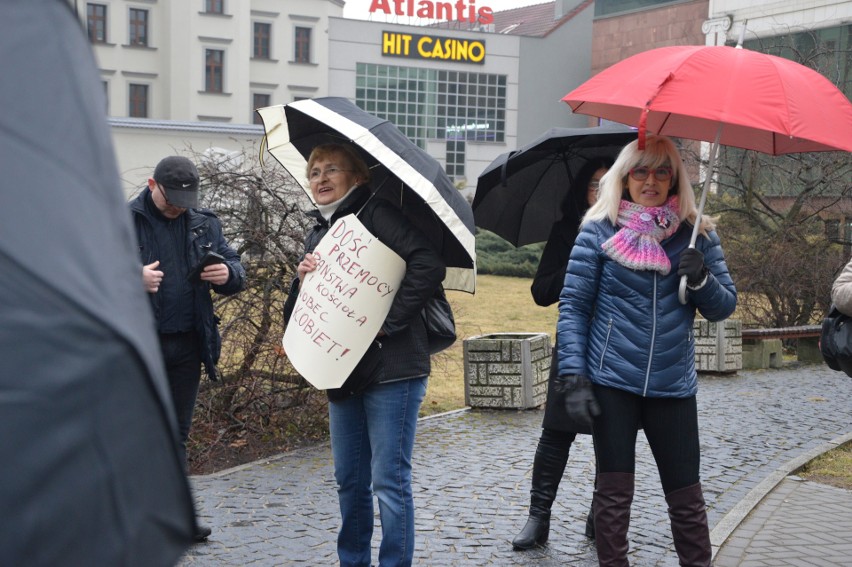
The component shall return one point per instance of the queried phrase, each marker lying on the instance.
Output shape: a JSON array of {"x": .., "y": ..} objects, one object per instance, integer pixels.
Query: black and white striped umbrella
[{"x": 401, "y": 172}]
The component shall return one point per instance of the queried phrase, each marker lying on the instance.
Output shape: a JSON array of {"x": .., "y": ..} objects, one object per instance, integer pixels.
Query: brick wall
[{"x": 618, "y": 37}]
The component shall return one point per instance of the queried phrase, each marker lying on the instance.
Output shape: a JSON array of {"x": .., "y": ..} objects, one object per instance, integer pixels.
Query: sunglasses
[{"x": 641, "y": 173}]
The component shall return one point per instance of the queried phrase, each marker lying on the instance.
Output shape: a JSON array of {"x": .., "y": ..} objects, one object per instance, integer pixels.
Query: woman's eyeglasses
[
  {"x": 329, "y": 171},
  {"x": 641, "y": 173}
]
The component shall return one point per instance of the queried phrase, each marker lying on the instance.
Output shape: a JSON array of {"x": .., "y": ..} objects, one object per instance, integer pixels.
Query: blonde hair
[
  {"x": 347, "y": 152},
  {"x": 659, "y": 151}
]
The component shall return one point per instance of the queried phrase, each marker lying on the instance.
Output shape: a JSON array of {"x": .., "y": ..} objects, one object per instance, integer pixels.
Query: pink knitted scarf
[{"x": 637, "y": 243}]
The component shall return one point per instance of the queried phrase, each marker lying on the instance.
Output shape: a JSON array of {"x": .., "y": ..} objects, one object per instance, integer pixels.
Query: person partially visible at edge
[
  {"x": 173, "y": 236},
  {"x": 841, "y": 290},
  {"x": 557, "y": 429},
  {"x": 626, "y": 348},
  {"x": 373, "y": 416}
]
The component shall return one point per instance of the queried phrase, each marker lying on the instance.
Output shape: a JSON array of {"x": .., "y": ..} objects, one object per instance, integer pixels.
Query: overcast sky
[{"x": 360, "y": 9}]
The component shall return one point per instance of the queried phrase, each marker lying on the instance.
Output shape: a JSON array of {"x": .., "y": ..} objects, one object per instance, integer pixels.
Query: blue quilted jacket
[{"x": 626, "y": 328}]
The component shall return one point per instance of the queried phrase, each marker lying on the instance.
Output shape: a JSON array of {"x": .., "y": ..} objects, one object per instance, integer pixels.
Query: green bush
[{"x": 497, "y": 257}]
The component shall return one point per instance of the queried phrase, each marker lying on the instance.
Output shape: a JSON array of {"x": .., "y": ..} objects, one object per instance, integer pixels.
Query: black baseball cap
[{"x": 179, "y": 179}]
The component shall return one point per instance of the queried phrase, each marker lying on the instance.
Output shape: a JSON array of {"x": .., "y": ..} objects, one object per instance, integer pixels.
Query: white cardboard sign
[{"x": 342, "y": 304}]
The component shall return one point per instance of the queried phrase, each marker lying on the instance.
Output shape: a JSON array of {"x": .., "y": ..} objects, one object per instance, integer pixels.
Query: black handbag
[
  {"x": 835, "y": 342},
  {"x": 439, "y": 321}
]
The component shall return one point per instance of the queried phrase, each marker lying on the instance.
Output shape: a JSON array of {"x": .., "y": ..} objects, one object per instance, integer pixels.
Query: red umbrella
[{"x": 725, "y": 95}]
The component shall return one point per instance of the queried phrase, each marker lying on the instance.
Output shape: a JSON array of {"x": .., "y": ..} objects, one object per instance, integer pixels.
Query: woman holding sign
[{"x": 373, "y": 416}]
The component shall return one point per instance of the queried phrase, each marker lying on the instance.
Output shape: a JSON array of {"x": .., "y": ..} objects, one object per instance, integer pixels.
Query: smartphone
[{"x": 209, "y": 259}]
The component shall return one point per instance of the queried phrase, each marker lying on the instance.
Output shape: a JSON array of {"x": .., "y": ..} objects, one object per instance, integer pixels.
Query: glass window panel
[
  {"x": 214, "y": 70},
  {"x": 262, "y": 33},
  {"x": 138, "y": 20},
  {"x": 414, "y": 99},
  {"x": 96, "y": 22}
]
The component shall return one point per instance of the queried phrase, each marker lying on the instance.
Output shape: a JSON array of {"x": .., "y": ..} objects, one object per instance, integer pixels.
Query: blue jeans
[{"x": 372, "y": 438}]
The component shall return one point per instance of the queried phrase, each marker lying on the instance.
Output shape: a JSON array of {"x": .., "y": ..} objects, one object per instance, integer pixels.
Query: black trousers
[
  {"x": 670, "y": 425},
  {"x": 182, "y": 355}
]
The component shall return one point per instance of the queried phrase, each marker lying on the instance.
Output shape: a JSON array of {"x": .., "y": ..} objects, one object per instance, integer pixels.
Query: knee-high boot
[
  {"x": 691, "y": 535},
  {"x": 613, "y": 497},
  {"x": 590, "y": 519},
  {"x": 548, "y": 467}
]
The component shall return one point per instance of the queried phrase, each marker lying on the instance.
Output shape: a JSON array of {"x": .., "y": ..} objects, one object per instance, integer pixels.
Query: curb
[{"x": 730, "y": 521}]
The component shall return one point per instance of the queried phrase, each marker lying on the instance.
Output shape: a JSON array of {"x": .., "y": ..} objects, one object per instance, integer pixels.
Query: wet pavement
[{"x": 472, "y": 478}]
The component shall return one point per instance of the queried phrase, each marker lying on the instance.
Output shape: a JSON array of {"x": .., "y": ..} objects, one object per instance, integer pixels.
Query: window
[
  {"x": 303, "y": 45},
  {"x": 455, "y": 159},
  {"x": 261, "y": 40},
  {"x": 259, "y": 101},
  {"x": 435, "y": 104},
  {"x": 214, "y": 63},
  {"x": 106, "y": 97},
  {"x": 605, "y": 7},
  {"x": 214, "y": 6},
  {"x": 826, "y": 50},
  {"x": 138, "y": 107},
  {"x": 138, "y": 27},
  {"x": 96, "y": 22}
]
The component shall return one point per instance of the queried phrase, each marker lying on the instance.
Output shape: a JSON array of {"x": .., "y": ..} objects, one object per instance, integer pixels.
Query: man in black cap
[{"x": 176, "y": 240}]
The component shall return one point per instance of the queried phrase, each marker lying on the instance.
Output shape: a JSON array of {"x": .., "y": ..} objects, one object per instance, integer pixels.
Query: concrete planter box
[
  {"x": 718, "y": 346},
  {"x": 506, "y": 370}
]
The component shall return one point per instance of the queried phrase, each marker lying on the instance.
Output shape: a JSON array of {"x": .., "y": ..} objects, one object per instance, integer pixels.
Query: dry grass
[
  {"x": 500, "y": 305},
  {"x": 833, "y": 468}
]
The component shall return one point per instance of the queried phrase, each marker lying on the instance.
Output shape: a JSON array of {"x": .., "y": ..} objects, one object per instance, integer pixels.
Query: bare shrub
[{"x": 260, "y": 404}]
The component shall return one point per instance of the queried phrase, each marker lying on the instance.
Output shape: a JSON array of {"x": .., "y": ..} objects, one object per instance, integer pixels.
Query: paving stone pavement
[
  {"x": 798, "y": 523},
  {"x": 472, "y": 478}
]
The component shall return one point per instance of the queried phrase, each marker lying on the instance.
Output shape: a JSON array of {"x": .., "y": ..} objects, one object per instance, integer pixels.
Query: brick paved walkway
[{"x": 472, "y": 475}]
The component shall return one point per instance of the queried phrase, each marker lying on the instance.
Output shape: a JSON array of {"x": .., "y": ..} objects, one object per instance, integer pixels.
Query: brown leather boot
[
  {"x": 611, "y": 503},
  {"x": 688, "y": 516}
]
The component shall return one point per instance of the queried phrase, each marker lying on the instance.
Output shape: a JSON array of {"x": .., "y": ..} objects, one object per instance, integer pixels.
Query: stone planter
[
  {"x": 506, "y": 370},
  {"x": 718, "y": 346}
]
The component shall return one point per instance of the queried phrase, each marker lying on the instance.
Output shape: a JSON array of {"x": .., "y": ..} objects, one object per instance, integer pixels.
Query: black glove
[
  {"x": 692, "y": 266},
  {"x": 580, "y": 402}
]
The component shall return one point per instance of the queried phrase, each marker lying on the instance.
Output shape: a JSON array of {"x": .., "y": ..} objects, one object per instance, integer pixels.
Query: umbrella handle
[
  {"x": 681, "y": 290},
  {"x": 714, "y": 149}
]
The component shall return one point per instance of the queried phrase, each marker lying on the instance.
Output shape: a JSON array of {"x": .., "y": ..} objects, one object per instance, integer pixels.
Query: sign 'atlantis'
[{"x": 460, "y": 10}]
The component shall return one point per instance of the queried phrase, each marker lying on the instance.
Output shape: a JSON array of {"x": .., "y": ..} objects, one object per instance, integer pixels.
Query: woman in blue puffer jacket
[{"x": 626, "y": 345}]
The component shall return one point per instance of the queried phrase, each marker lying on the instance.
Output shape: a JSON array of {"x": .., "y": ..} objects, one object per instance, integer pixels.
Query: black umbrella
[
  {"x": 519, "y": 195},
  {"x": 91, "y": 473},
  {"x": 401, "y": 172}
]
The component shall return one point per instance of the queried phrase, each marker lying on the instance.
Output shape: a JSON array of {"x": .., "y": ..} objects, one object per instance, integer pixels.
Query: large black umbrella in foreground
[
  {"x": 90, "y": 470},
  {"x": 401, "y": 172},
  {"x": 519, "y": 195}
]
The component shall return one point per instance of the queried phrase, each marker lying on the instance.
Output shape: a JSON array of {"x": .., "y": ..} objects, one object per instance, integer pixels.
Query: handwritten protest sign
[{"x": 342, "y": 304}]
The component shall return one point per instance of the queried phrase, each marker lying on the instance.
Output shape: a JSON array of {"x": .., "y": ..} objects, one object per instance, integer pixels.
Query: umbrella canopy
[
  {"x": 764, "y": 103},
  {"x": 401, "y": 172},
  {"x": 91, "y": 472},
  {"x": 727, "y": 95},
  {"x": 519, "y": 195}
]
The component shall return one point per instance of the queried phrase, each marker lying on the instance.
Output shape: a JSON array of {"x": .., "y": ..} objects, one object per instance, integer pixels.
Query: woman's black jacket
[{"x": 403, "y": 352}]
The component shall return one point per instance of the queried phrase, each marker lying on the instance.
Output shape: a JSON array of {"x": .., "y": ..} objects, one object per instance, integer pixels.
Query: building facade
[
  {"x": 186, "y": 75},
  {"x": 464, "y": 95},
  {"x": 189, "y": 73},
  {"x": 208, "y": 60}
]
